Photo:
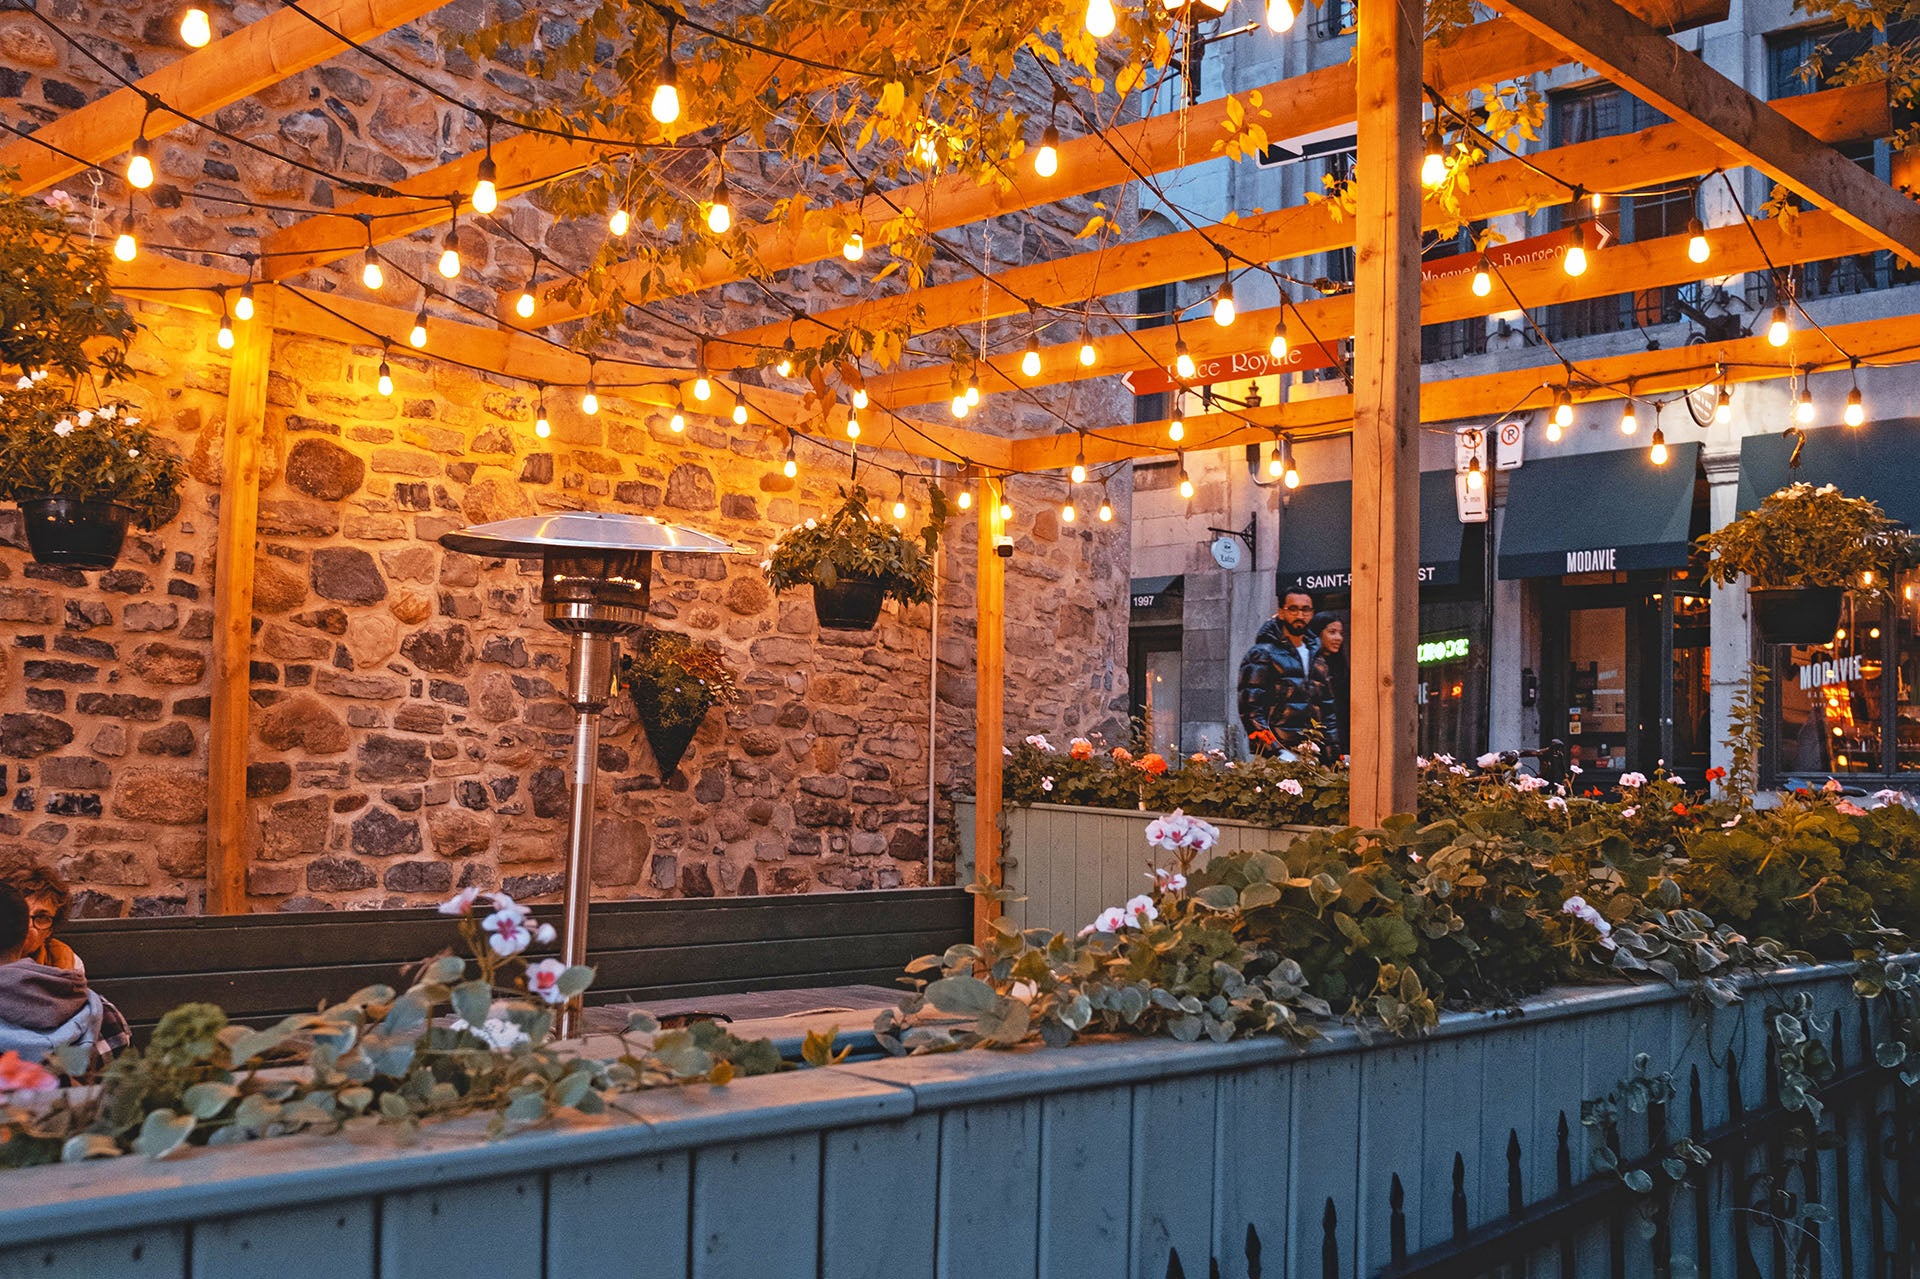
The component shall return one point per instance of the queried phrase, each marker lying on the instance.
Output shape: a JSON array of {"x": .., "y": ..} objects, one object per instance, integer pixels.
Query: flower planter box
[
  {"x": 1073, "y": 862},
  {"x": 1104, "y": 1159}
]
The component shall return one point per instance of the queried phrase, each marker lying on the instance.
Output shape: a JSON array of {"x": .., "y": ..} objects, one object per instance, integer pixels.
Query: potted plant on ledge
[
  {"x": 80, "y": 467},
  {"x": 1803, "y": 548},
  {"x": 854, "y": 561},
  {"x": 674, "y": 682}
]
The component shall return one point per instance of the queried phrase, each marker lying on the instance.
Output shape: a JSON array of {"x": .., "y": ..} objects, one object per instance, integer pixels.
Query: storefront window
[
  {"x": 1160, "y": 703},
  {"x": 1597, "y": 687},
  {"x": 1906, "y": 706},
  {"x": 1448, "y": 715},
  {"x": 1829, "y": 698}
]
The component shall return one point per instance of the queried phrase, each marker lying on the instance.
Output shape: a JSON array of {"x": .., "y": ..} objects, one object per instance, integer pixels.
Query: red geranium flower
[
  {"x": 1680, "y": 810},
  {"x": 1154, "y": 764},
  {"x": 1715, "y": 774}
]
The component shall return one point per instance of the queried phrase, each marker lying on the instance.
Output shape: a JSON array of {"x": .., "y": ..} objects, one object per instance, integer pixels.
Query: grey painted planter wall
[
  {"x": 1071, "y": 863},
  {"x": 1093, "y": 1161}
]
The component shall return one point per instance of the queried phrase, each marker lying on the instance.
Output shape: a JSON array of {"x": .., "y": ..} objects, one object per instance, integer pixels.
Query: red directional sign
[{"x": 1234, "y": 367}]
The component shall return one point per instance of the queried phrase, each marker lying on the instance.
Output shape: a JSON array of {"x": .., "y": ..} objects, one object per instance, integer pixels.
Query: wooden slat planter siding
[
  {"x": 1101, "y": 1160},
  {"x": 1072, "y": 862},
  {"x": 260, "y": 966}
]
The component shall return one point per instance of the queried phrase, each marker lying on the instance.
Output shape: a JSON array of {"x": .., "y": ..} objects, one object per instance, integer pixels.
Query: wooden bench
[{"x": 260, "y": 967}]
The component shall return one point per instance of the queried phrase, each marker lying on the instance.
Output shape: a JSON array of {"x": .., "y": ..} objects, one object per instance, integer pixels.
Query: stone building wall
[{"x": 407, "y": 730}]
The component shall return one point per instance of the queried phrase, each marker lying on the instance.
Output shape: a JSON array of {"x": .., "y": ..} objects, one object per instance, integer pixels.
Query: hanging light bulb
[
  {"x": 960, "y": 405},
  {"x": 450, "y": 253},
  {"x": 139, "y": 165},
  {"x": 1079, "y": 472},
  {"x": 973, "y": 391},
  {"x": 702, "y": 384},
  {"x": 1482, "y": 278},
  {"x": 385, "y": 378},
  {"x": 1100, "y": 18},
  {"x": 1575, "y": 261},
  {"x": 1476, "y": 478},
  {"x": 1046, "y": 161},
  {"x": 1723, "y": 404},
  {"x": 1563, "y": 408},
  {"x": 523, "y": 306},
  {"x": 417, "y": 337},
  {"x": 719, "y": 212},
  {"x": 1803, "y": 409},
  {"x": 900, "y": 502},
  {"x": 1856, "y": 411},
  {"x": 243, "y": 309},
  {"x": 665, "y": 107},
  {"x": 1629, "y": 420},
  {"x": 371, "y": 273},
  {"x": 1553, "y": 430},
  {"x": 541, "y": 426},
  {"x": 1276, "y": 459},
  {"x": 1280, "y": 15},
  {"x": 1658, "y": 452},
  {"x": 678, "y": 422},
  {"x": 855, "y": 248},
  {"x": 1290, "y": 475},
  {"x": 1698, "y": 250},
  {"x": 1087, "y": 352},
  {"x": 486, "y": 195},
  {"x": 1106, "y": 509},
  {"x": 853, "y": 427},
  {"x": 1182, "y": 359},
  {"x": 965, "y": 500},
  {"x": 1006, "y": 510},
  {"x": 224, "y": 338},
  {"x": 1433, "y": 169},
  {"x": 618, "y": 221},
  {"x": 1778, "y": 330},
  {"x": 860, "y": 398},
  {"x": 1278, "y": 347},
  {"x": 740, "y": 414},
  {"x": 1030, "y": 362},
  {"x": 785, "y": 367},
  {"x": 196, "y": 28},
  {"x": 790, "y": 467},
  {"x": 1223, "y": 308},
  {"x": 1176, "y": 430},
  {"x": 1067, "y": 512},
  {"x": 125, "y": 247},
  {"x": 590, "y": 398}
]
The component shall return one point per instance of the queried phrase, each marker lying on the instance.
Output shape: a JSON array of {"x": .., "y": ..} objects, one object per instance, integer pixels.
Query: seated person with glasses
[{"x": 47, "y": 902}]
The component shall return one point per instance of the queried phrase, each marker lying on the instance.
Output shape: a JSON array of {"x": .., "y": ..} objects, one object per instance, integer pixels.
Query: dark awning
[
  {"x": 1149, "y": 592},
  {"x": 1316, "y": 535},
  {"x": 1875, "y": 461},
  {"x": 1598, "y": 512}
]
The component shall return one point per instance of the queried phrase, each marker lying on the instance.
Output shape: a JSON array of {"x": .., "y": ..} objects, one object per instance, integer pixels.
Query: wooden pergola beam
[
  {"x": 1753, "y": 359},
  {"x": 259, "y": 54},
  {"x": 1636, "y": 57},
  {"x": 1664, "y": 153},
  {"x": 1481, "y": 54}
]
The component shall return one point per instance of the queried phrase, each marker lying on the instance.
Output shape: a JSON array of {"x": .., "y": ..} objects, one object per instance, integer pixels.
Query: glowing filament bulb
[
  {"x": 1698, "y": 250},
  {"x": 224, "y": 338},
  {"x": 1723, "y": 405},
  {"x": 524, "y": 304},
  {"x": 1476, "y": 478},
  {"x": 139, "y": 165},
  {"x": 785, "y": 367},
  {"x": 1482, "y": 278},
  {"x": 1433, "y": 169},
  {"x": 719, "y": 212},
  {"x": 1629, "y": 420},
  {"x": 860, "y": 397},
  {"x": 385, "y": 382},
  {"x": 125, "y": 248},
  {"x": 590, "y": 399},
  {"x": 1030, "y": 361},
  {"x": 1100, "y": 18},
  {"x": 973, "y": 392},
  {"x": 1223, "y": 308},
  {"x": 1280, "y": 15},
  {"x": 1276, "y": 464},
  {"x": 418, "y": 336},
  {"x": 541, "y": 426},
  {"x": 371, "y": 274},
  {"x": 1658, "y": 453},
  {"x": 1046, "y": 161},
  {"x": 450, "y": 256},
  {"x": 196, "y": 28},
  {"x": 1803, "y": 410},
  {"x": 1067, "y": 514},
  {"x": 1292, "y": 478},
  {"x": 1575, "y": 262},
  {"x": 739, "y": 415},
  {"x": 1278, "y": 347},
  {"x": 1563, "y": 408},
  {"x": 853, "y": 427},
  {"x": 1079, "y": 471},
  {"x": 665, "y": 106},
  {"x": 1182, "y": 359},
  {"x": 1778, "y": 330},
  {"x": 960, "y": 405},
  {"x": 486, "y": 195},
  {"x": 1106, "y": 511},
  {"x": 1176, "y": 430},
  {"x": 1553, "y": 430},
  {"x": 900, "y": 508},
  {"x": 678, "y": 422},
  {"x": 790, "y": 467},
  {"x": 1856, "y": 411},
  {"x": 855, "y": 248},
  {"x": 1087, "y": 352},
  {"x": 243, "y": 309},
  {"x": 1006, "y": 511},
  {"x": 1186, "y": 484},
  {"x": 618, "y": 221},
  {"x": 703, "y": 387},
  {"x": 965, "y": 500}
]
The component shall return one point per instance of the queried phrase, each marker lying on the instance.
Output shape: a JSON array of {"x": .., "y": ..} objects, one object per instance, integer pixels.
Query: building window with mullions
[{"x": 1334, "y": 18}]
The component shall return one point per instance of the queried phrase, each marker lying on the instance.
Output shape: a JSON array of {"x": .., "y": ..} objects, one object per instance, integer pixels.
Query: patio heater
[{"x": 595, "y": 583}]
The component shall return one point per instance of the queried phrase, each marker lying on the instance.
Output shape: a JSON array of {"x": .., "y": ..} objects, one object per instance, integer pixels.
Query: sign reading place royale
[
  {"x": 1599, "y": 560},
  {"x": 1839, "y": 670},
  {"x": 1228, "y": 368}
]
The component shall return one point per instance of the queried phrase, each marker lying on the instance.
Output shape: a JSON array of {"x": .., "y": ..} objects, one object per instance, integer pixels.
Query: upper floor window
[{"x": 1334, "y": 17}]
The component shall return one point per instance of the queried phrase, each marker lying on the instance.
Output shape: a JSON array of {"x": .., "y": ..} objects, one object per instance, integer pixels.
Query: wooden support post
[
  {"x": 990, "y": 631},
  {"x": 1386, "y": 411},
  {"x": 227, "y": 835}
]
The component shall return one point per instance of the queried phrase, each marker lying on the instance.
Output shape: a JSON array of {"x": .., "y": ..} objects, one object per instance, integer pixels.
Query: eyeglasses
[
  {"x": 1296, "y": 608},
  {"x": 41, "y": 920}
]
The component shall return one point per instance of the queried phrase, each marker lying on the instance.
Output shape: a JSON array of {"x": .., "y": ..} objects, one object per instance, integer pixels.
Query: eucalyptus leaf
[{"x": 162, "y": 1134}]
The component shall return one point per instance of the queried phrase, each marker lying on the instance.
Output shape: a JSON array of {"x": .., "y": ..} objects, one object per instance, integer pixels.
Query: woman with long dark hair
[{"x": 1330, "y": 633}]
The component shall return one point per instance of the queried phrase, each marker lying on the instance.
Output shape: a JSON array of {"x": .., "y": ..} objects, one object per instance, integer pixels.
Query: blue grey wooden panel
[
  {"x": 878, "y": 1195},
  {"x": 323, "y": 1241},
  {"x": 623, "y": 1219},
  {"x": 1325, "y": 1166},
  {"x": 756, "y": 1209},
  {"x": 1455, "y": 1074},
  {"x": 1558, "y": 1086},
  {"x": 1083, "y": 1197},
  {"x": 989, "y": 1190},
  {"x": 159, "y": 1253},
  {"x": 1392, "y": 1119},
  {"x": 1173, "y": 1133},
  {"x": 1507, "y": 1113},
  {"x": 508, "y": 1213},
  {"x": 1253, "y": 1117}
]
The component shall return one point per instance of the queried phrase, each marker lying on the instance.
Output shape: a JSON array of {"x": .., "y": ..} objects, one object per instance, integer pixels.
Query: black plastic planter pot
[
  {"x": 1796, "y": 614},
  {"x": 669, "y": 742},
  {"x": 74, "y": 533},
  {"x": 852, "y": 605}
]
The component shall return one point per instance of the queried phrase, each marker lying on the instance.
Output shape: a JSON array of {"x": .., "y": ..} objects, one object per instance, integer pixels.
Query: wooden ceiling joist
[
  {"x": 1636, "y": 57},
  {"x": 1652, "y": 373},
  {"x": 1662, "y": 154},
  {"x": 1481, "y": 54},
  {"x": 260, "y": 54}
]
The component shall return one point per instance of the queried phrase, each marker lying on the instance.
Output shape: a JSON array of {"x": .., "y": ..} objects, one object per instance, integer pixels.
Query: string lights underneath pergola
[{"x": 1383, "y": 91}]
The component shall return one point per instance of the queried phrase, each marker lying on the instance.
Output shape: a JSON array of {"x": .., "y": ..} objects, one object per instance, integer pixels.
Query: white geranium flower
[
  {"x": 1046, "y": 784},
  {"x": 1141, "y": 911},
  {"x": 1459, "y": 769},
  {"x": 496, "y": 1033},
  {"x": 1168, "y": 881},
  {"x": 1526, "y": 782},
  {"x": 543, "y": 979},
  {"x": 24, "y": 384},
  {"x": 63, "y": 428},
  {"x": 1555, "y": 802},
  {"x": 508, "y": 932},
  {"x": 1111, "y": 920},
  {"x": 1489, "y": 759},
  {"x": 1632, "y": 781},
  {"x": 461, "y": 903},
  {"x": 543, "y": 935},
  {"x": 1291, "y": 785},
  {"x": 1632, "y": 810},
  {"x": 813, "y": 523},
  {"x": 85, "y": 417}
]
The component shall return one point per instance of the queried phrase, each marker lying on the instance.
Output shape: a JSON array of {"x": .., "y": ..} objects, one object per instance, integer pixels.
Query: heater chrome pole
[{"x": 589, "y": 683}]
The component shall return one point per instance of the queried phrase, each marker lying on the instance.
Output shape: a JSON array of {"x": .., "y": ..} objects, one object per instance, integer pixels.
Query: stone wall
[{"x": 407, "y": 731}]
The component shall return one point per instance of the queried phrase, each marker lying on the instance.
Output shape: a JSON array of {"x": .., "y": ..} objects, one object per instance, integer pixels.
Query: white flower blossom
[
  {"x": 1176, "y": 830},
  {"x": 85, "y": 418},
  {"x": 461, "y": 903},
  {"x": 544, "y": 935},
  {"x": 1632, "y": 810},
  {"x": 1141, "y": 911},
  {"x": 63, "y": 428},
  {"x": 765, "y": 565},
  {"x": 1580, "y": 909},
  {"x": 1632, "y": 781},
  {"x": 59, "y": 201},
  {"x": 1168, "y": 881},
  {"x": 1528, "y": 782},
  {"x": 24, "y": 384},
  {"x": 1443, "y": 759},
  {"x": 1832, "y": 787},
  {"x": 1575, "y": 769},
  {"x": 1489, "y": 759},
  {"x": 1039, "y": 742},
  {"x": 1046, "y": 784},
  {"x": 1419, "y": 761},
  {"x": 812, "y": 523},
  {"x": 508, "y": 932},
  {"x": 1556, "y": 803},
  {"x": 1111, "y": 920},
  {"x": 496, "y": 1033},
  {"x": 1291, "y": 786},
  {"x": 543, "y": 979},
  {"x": 1461, "y": 770}
]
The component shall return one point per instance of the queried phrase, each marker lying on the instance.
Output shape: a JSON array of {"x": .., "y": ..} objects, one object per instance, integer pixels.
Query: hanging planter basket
[
  {"x": 669, "y": 742},
  {"x": 75, "y": 533},
  {"x": 1796, "y": 614},
  {"x": 853, "y": 604}
]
